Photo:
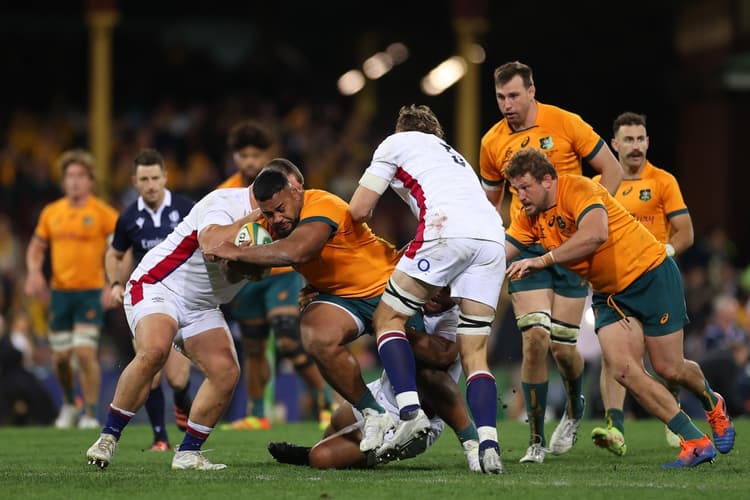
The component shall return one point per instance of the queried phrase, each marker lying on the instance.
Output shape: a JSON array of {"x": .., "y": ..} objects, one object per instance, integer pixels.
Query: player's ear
[{"x": 615, "y": 145}]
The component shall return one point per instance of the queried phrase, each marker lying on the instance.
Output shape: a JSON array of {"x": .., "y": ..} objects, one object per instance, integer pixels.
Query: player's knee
[
  {"x": 401, "y": 301},
  {"x": 322, "y": 457},
  {"x": 285, "y": 326},
  {"x": 667, "y": 371},
  {"x": 86, "y": 336},
  {"x": 535, "y": 321},
  {"x": 470, "y": 324},
  {"x": 564, "y": 333},
  {"x": 224, "y": 373},
  {"x": 153, "y": 357},
  {"x": 294, "y": 352}
]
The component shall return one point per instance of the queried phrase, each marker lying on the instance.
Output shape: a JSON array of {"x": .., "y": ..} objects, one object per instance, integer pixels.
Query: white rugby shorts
[
  {"x": 156, "y": 298},
  {"x": 474, "y": 269}
]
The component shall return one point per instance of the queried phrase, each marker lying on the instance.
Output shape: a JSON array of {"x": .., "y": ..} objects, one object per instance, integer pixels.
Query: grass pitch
[{"x": 50, "y": 463}]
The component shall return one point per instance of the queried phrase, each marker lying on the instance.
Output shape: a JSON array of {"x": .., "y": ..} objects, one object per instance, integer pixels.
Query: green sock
[
  {"x": 368, "y": 401},
  {"x": 573, "y": 389},
  {"x": 467, "y": 434},
  {"x": 615, "y": 417},
  {"x": 708, "y": 398},
  {"x": 259, "y": 407},
  {"x": 684, "y": 427},
  {"x": 535, "y": 396}
]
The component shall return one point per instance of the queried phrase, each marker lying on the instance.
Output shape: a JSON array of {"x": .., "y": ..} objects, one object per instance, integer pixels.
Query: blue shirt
[{"x": 142, "y": 228}]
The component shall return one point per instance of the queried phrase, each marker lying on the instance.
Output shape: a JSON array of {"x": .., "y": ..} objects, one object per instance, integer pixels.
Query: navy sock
[
  {"x": 115, "y": 422},
  {"x": 398, "y": 360},
  {"x": 481, "y": 394},
  {"x": 155, "y": 410},
  {"x": 195, "y": 436}
]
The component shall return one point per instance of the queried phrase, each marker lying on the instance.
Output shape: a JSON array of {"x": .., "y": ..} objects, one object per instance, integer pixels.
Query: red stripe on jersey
[
  {"x": 164, "y": 267},
  {"x": 415, "y": 190}
]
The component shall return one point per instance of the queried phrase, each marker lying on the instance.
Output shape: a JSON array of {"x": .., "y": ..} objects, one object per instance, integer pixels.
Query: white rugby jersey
[
  {"x": 178, "y": 263},
  {"x": 439, "y": 185}
]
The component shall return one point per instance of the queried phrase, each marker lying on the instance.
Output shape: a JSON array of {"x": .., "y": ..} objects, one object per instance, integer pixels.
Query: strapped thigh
[
  {"x": 536, "y": 319},
  {"x": 400, "y": 300}
]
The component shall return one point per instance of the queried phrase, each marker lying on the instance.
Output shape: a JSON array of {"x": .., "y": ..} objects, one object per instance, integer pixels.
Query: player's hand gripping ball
[{"x": 253, "y": 233}]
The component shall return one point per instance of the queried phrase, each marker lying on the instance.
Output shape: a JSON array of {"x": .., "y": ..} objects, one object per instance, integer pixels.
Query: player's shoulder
[
  {"x": 578, "y": 183},
  {"x": 661, "y": 175},
  {"x": 551, "y": 115},
  {"x": 319, "y": 203},
  {"x": 55, "y": 205},
  {"x": 499, "y": 129},
  {"x": 322, "y": 194}
]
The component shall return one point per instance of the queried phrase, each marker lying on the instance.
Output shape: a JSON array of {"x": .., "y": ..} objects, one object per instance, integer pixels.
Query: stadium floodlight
[
  {"x": 351, "y": 82},
  {"x": 398, "y": 52},
  {"x": 444, "y": 75},
  {"x": 377, "y": 65},
  {"x": 476, "y": 54}
]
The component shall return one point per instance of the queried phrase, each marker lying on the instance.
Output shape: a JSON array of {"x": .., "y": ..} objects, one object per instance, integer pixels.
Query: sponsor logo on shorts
[{"x": 664, "y": 318}]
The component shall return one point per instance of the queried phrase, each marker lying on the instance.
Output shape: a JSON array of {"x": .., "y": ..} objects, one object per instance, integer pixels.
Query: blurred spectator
[
  {"x": 724, "y": 329},
  {"x": 10, "y": 263},
  {"x": 23, "y": 398}
]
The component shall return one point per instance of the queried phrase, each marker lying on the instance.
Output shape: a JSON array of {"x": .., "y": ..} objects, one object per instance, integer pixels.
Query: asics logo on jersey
[
  {"x": 627, "y": 191},
  {"x": 525, "y": 142}
]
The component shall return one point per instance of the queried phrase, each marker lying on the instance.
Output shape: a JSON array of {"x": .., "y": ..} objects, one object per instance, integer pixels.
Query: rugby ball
[{"x": 253, "y": 233}]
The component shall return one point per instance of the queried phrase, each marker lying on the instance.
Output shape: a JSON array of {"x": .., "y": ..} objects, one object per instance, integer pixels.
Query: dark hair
[
  {"x": 269, "y": 182},
  {"x": 419, "y": 118},
  {"x": 628, "y": 118},
  {"x": 504, "y": 73},
  {"x": 79, "y": 156},
  {"x": 148, "y": 156},
  {"x": 286, "y": 167},
  {"x": 530, "y": 161},
  {"x": 249, "y": 133}
]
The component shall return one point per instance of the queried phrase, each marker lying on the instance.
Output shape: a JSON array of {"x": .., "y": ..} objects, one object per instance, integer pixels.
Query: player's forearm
[
  {"x": 580, "y": 245},
  {"x": 681, "y": 241},
  {"x": 112, "y": 266},
  {"x": 35, "y": 256},
  {"x": 434, "y": 351}
]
